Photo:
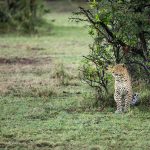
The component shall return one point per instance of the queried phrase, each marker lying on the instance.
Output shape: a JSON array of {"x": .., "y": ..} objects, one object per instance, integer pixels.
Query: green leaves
[
  {"x": 93, "y": 4},
  {"x": 22, "y": 15},
  {"x": 120, "y": 30}
]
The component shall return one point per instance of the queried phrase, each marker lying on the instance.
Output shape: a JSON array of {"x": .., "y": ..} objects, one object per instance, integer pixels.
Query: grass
[{"x": 43, "y": 104}]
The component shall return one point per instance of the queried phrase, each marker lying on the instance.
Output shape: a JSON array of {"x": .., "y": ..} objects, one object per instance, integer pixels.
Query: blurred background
[
  {"x": 44, "y": 103},
  {"x": 27, "y": 16}
]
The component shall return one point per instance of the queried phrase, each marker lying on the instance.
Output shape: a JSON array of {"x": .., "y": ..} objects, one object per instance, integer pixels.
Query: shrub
[
  {"x": 120, "y": 32},
  {"x": 21, "y": 15},
  {"x": 62, "y": 74}
]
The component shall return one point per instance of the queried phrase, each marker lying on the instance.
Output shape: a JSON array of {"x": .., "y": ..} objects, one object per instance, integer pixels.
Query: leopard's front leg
[
  {"x": 128, "y": 98},
  {"x": 118, "y": 99}
]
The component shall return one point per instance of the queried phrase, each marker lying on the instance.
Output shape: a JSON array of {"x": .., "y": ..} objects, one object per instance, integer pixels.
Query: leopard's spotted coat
[{"x": 123, "y": 89}]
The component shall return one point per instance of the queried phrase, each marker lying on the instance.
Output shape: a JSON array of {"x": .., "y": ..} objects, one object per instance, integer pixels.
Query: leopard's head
[{"x": 118, "y": 70}]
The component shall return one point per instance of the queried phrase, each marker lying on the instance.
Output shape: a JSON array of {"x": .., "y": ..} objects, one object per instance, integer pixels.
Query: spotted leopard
[{"x": 123, "y": 89}]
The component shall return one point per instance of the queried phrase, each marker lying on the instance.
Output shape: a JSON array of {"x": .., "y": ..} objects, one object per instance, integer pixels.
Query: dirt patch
[
  {"x": 35, "y": 48},
  {"x": 8, "y": 135},
  {"x": 25, "y": 61},
  {"x": 44, "y": 144},
  {"x": 17, "y": 61},
  {"x": 3, "y": 145},
  {"x": 28, "y": 47}
]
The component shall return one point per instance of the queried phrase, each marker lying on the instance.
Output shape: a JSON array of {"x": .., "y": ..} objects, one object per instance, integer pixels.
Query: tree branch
[{"x": 113, "y": 40}]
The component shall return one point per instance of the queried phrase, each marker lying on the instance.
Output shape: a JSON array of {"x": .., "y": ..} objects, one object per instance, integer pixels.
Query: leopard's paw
[
  {"x": 118, "y": 112},
  {"x": 126, "y": 110}
]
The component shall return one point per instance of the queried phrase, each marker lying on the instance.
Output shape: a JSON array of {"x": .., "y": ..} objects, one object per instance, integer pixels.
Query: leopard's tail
[{"x": 135, "y": 100}]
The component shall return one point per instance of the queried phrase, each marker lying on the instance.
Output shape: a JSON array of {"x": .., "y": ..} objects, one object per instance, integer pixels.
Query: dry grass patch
[
  {"x": 31, "y": 87},
  {"x": 27, "y": 77},
  {"x": 25, "y": 61},
  {"x": 21, "y": 46}
]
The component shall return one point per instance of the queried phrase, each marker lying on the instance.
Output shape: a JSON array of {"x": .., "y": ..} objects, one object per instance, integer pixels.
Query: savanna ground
[{"x": 44, "y": 105}]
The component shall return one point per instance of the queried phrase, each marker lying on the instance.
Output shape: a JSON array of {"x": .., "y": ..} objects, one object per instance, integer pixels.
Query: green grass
[
  {"x": 43, "y": 104},
  {"x": 32, "y": 123}
]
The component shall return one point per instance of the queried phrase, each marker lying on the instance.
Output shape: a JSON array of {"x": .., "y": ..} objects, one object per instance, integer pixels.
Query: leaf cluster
[
  {"x": 21, "y": 15},
  {"x": 121, "y": 32}
]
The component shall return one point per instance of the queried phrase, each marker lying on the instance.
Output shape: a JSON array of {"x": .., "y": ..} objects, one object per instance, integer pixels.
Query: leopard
[{"x": 123, "y": 89}]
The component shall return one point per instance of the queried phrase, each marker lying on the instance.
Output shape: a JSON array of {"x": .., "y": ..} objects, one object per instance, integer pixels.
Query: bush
[
  {"x": 21, "y": 15},
  {"x": 62, "y": 75},
  {"x": 120, "y": 32}
]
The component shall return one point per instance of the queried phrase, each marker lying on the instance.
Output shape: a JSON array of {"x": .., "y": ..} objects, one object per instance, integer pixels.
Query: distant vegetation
[{"x": 22, "y": 15}]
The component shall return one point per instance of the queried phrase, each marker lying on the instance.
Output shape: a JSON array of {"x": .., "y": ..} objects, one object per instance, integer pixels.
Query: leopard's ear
[
  {"x": 123, "y": 65},
  {"x": 109, "y": 68}
]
